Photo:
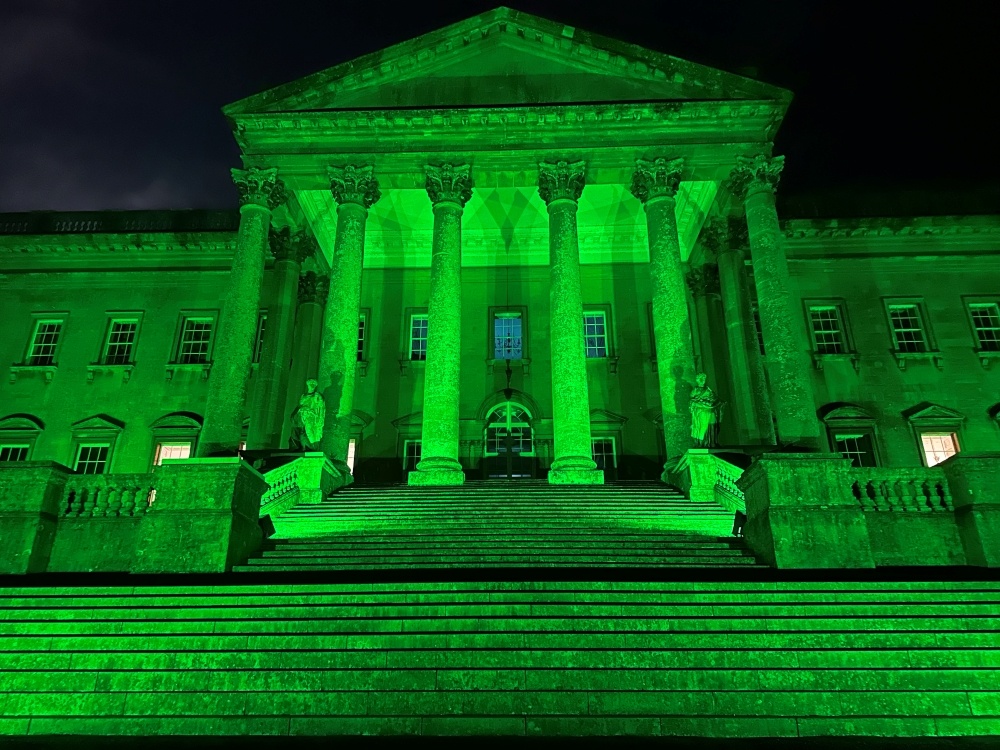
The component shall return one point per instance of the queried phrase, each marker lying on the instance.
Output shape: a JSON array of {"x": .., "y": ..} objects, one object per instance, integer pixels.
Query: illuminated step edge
[{"x": 580, "y": 670}]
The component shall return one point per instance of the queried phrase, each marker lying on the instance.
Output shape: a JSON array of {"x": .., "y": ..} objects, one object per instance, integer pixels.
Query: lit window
[
  {"x": 857, "y": 447},
  {"x": 907, "y": 328},
  {"x": 44, "y": 342},
  {"x": 507, "y": 336},
  {"x": 92, "y": 458},
  {"x": 595, "y": 334},
  {"x": 171, "y": 450},
  {"x": 755, "y": 311},
  {"x": 362, "y": 324},
  {"x": 827, "y": 329},
  {"x": 418, "y": 337},
  {"x": 508, "y": 430},
  {"x": 121, "y": 342},
  {"x": 352, "y": 448},
  {"x": 411, "y": 455},
  {"x": 258, "y": 347},
  {"x": 986, "y": 324},
  {"x": 938, "y": 446},
  {"x": 603, "y": 452},
  {"x": 196, "y": 341},
  {"x": 13, "y": 453}
]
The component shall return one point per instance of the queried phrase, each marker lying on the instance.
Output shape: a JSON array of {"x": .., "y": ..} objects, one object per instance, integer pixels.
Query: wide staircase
[
  {"x": 496, "y": 524},
  {"x": 727, "y": 659}
]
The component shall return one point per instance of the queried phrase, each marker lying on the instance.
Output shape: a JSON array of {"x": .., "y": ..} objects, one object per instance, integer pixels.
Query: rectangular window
[
  {"x": 13, "y": 453},
  {"x": 120, "y": 344},
  {"x": 362, "y": 325},
  {"x": 603, "y": 452},
  {"x": 907, "y": 327},
  {"x": 92, "y": 458},
  {"x": 258, "y": 346},
  {"x": 171, "y": 450},
  {"x": 595, "y": 334},
  {"x": 411, "y": 455},
  {"x": 418, "y": 337},
  {"x": 827, "y": 329},
  {"x": 986, "y": 325},
  {"x": 44, "y": 342},
  {"x": 352, "y": 451},
  {"x": 755, "y": 311},
  {"x": 196, "y": 341},
  {"x": 856, "y": 446},
  {"x": 507, "y": 336},
  {"x": 938, "y": 446}
]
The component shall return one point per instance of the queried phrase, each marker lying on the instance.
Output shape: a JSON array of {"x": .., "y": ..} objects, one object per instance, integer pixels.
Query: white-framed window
[
  {"x": 418, "y": 336},
  {"x": 14, "y": 452},
  {"x": 858, "y": 446},
  {"x": 508, "y": 430},
  {"x": 44, "y": 342},
  {"x": 938, "y": 446},
  {"x": 985, "y": 318},
  {"x": 119, "y": 344},
  {"x": 906, "y": 322},
  {"x": 195, "y": 344},
  {"x": 411, "y": 454},
  {"x": 352, "y": 450},
  {"x": 595, "y": 334},
  {"x": 92, "y": 458},
  {"x": 362, "y": 330},
  {"x": 507, "y": 336},
  {"x": 826, "y": 324},
  {"x": 603, "y": 452},
  {"x": 170, "y": 450},
  {"x": 258, "y": 341}
]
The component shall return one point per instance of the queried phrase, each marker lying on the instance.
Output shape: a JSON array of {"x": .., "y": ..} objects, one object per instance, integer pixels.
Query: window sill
[
  {"x": 125, "y": 370},
  {"x": 903, "y": 357},
  {"x": 203, "y": 367},
  {"x": 612, "y": 363},
  {"x": 499, "y": 365},
  {"x": 986, "y": 356},
  {"x": 48, "y": 371},
  {"x": 406, "y": 363},
  {"x": 820, "y": 360}
]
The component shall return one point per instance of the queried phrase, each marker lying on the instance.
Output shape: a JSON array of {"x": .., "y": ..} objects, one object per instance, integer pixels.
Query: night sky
[{"x": 115, "y": 104}]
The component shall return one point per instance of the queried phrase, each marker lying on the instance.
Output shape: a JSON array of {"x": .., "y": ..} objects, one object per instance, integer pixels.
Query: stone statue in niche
[
  {"x": 307, "y": 419},
  {"x": 705, "y": 413}
]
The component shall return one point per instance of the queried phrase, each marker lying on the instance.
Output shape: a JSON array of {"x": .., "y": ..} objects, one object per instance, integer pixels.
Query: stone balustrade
[
  {"x": 910, "y": 489},
  {"x": 108, "y": 495},
  {"x": 727, "y": 492}
]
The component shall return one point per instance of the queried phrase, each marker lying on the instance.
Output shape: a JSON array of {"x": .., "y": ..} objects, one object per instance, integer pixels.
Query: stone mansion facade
[{"x": 504, "y": 249}]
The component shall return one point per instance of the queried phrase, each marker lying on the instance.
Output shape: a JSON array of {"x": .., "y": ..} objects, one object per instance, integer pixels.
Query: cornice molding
[{"x": 934, "y": 226}]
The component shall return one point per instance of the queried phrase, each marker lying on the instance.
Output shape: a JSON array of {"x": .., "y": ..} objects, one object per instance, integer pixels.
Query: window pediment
[
  {"x": 21, "y": 423},
  {"x": 931, "y": 414}
]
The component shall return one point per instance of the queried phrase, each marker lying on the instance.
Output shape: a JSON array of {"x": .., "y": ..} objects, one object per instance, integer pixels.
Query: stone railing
[
  {"x": 118, "y": 222},
  {"x": 283, "y": 483},
  {"x": 726, "y": 490},
  {"x": 920, "y": 490},
  {"x": 106, "y": 495},
  {"x": 307, "y": 479},
  {"x": 706, "y": 477}
]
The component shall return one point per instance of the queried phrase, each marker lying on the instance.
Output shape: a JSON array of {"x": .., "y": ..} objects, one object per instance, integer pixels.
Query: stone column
[
  {"x": 449, "y": 188},
  {"x": 312, "y": 293},
  {"x": 751, "y": 402},
  {"x": 655, "y": 184},
  {"x": 267, "y": 415},
  {"x": 260, "y": 192},
  {"x": 703, "y": 283},
  {"x": 560, "y": 186},
  {"x": 355, "y": 189},
  {"x": 789, "y": 369}
]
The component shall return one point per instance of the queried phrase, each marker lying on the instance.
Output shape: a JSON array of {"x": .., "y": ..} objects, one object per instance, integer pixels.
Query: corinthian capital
[
  {"x": 313, "y": 288},
  {"x": 561, "y": 180},
  {"x": 755, "y": 171},
  {"x": 703, "y": 280},
  {"x": 353, "y": 184},
  {"x": 281, "y": 243},
  {"x": 304, "y": 246},
  {"x": 449, "y": 183},
  {"x": 715, "y": 236},
  {"x": 657, "y": 178},
  {"x": 259, "y": 187}
]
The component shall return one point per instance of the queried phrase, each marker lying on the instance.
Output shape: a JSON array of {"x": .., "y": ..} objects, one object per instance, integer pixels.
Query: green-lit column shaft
[
  {"x": 449, "y": 188},
  {"x": 788, "y": 366},
  {"x": 266, "y": 418},
  {"x": 655, "y": 184},
  {"x": 355, "y": 189},
  {"x": 260, "y": 192},
  {"x": 312, "y": 292},
  {"x": 560, "y": 186}
]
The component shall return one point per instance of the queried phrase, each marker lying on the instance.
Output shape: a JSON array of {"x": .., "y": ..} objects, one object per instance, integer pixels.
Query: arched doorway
[{"x": 508, "y": 442}]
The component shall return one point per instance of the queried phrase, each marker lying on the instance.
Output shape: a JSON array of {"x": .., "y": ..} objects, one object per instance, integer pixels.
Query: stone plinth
[
  {"x": 317, "y": 477},
  {"x": 204, "y": 519},
  {"x": 973, "y": 479},
  {"x": 801, "y": 512},
  {"x": 31, "y": 495}
]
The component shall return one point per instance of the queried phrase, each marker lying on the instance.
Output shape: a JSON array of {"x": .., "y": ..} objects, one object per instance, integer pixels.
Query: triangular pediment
[
  {"x": 98, "y": 423},
  {"x": 934, "y": 413},
  {"x": 505, "y": 57}
]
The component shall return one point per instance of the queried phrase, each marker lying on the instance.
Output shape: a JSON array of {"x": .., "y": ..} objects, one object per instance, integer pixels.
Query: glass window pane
[
  {"x": 595, "y": 338},
  {"x": 858, "y": 447},
  {"x": 361, "y": 338},
  {"x": 44, "y": 342},
  {"x": 171, "y": 450},
  {"x": 196, "y": 339},
  {"x": 603, "y": 452},
  {"x": 121, "y": 342},
  {"x": 92, "y": 458},
  {"x": 418, "y": 337},
  {"x": 828, "y": 334},
  {"x": 13, "y": 453},
  {"x": 938, "y": 446},
  {"x": 507, "y": 337},
  {"x": 986, "y": 323},
  {"x": 907, "y": 328}
]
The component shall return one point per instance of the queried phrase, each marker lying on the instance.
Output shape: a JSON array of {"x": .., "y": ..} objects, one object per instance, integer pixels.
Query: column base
[
  {"x": 437, "y": 471},
  {"x": 575, "y": 470}
]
